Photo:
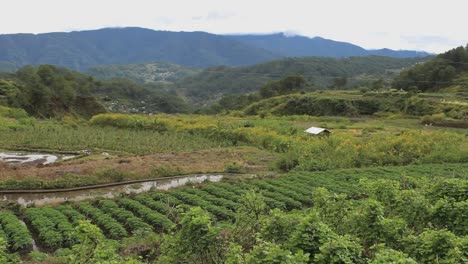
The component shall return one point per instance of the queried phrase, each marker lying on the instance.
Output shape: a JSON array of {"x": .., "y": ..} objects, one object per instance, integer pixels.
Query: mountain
[
  {"x": 399, "y": 53},
  {"x": 300, "y": 46},
  {"x": 81, "y": 50},
  {"x": 320, "y": 73},
  {"x": 84, "y": 49}
]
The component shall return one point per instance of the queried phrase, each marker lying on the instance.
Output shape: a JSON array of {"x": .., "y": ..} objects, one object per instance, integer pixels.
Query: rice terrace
[{"x": 132, "y": 145}]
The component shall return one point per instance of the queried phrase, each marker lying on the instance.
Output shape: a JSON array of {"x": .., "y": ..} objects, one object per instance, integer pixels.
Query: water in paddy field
[
  {"x": 39, "y": 199},
  {"x": 23, "y": 158}
]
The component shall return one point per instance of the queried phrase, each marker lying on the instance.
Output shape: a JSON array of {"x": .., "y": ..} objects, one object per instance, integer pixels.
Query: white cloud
[{"x": 368, "y": 23}]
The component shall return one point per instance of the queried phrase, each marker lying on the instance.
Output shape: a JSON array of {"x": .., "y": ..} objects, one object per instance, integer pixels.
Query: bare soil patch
[{"x": 212, "y": 160}]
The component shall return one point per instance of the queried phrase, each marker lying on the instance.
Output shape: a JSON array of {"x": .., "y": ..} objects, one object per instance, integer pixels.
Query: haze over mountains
[
  {"x": 81, "y": 50},
  {"x": 300, "y": 46}
]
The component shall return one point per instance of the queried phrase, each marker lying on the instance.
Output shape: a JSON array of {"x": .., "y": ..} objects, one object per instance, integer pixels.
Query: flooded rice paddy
[{"x": 24, "y": 158}]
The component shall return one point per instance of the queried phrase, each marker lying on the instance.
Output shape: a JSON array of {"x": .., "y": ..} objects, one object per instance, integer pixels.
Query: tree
[
  {"x": 278, "y": 226},
  {"x": 439, "y": 246},
  {"x": 195, "y": 242},
  {"x": 378, "y": 84},
  {"x": 390, "y": 256},
  {"x": 268, "y": 252},
  {"x": 339, "y": 82},
  {"x": 310, "y": 234},
  {"x": 366, "y": 222},
  {"x": 340, "y": 250},
  {"x": 287, "y": 85},
  {"x": 94, "y": 248}
]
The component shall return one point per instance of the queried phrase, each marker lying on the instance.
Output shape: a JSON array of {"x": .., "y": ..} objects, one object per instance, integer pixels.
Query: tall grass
[
  {"x": 51, "y": 135},
  {"x": 344, "y": 149}
]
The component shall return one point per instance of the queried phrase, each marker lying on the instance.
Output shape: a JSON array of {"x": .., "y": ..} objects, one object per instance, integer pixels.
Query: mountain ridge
[
  {"x": 81, "y": 50},
  {"x": 302, "y": 46}
]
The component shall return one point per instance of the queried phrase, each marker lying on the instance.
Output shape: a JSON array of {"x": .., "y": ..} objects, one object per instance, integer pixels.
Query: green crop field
[
  {"x": 439, "y": 190},
  {"x": 377, "y": 189}
]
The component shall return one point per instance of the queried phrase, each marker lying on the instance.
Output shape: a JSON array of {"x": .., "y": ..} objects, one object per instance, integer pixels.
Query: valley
[{"x": 155, "y": 162}]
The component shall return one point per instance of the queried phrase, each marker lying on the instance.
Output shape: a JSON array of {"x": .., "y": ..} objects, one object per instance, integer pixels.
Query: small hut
[{"x": 318, "y": 131}]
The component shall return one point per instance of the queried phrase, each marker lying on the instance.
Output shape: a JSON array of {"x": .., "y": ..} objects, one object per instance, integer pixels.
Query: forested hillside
[
  {"x": 48, "y": 91},
  {"x": 153, "y": 72},
  {"x": 124, "y": 95},
  {"x": 81, "y": 50},
  {"x": 448, "y": 69},
  {"x": 300, "y": 46},
  {"x": 319, "y": 73}
]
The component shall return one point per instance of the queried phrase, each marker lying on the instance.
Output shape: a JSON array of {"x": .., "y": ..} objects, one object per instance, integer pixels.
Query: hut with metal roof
[{"x": 318, "y": 131}]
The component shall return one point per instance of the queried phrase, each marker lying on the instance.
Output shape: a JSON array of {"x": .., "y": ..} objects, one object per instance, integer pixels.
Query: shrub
[
  {"x": 286, "y": 163},
  {"x": 233, "y": 167}
]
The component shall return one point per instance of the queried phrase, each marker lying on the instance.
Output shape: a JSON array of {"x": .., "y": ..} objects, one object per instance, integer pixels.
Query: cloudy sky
[{"x": 430, "y": 25}]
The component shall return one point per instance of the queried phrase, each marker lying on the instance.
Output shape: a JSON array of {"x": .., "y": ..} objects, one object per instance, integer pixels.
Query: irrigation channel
[{"x": 109, "y": 191}]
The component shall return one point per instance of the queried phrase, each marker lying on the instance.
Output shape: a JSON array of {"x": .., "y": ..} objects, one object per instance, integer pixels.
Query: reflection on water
[
  {"x": 39, "y": 199},
  {"x": 32, "y": 158}
]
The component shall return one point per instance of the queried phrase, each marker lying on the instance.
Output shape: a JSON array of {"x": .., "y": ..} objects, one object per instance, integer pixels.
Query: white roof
[{"x": 315, "y": 130}]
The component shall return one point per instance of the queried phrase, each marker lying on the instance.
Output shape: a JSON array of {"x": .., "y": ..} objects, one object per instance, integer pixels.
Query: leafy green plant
[{"x": 233, "y": 168}]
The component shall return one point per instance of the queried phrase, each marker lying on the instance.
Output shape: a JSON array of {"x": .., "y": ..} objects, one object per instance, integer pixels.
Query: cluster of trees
[
  {"x": 321, "y": 103},
  {"x": 287, "y": 85},
  {"x": 124, "y": 95},
  {"x": 435, "y": 74},
  {"x": 48, "y": 91},
  {"x": 316, "y": 105},
  {"x": 322, "y": 72}
]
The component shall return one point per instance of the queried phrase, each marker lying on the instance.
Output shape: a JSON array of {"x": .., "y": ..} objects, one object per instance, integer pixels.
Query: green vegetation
[
  {"x": 345, "y": 199},
  {"x": 14, "y": 234},
  {"x": 388, "y": 185},
  {"x": 124, "y": 95},
  {"x": 47, "y": 91},
  {"x": 287, "y": 85},
  {"x": 155, "y": 72},
  {"x": 52, "y": 135},
  {"x": 319, "y": 73},
  {"x": 443, "y": 71},
  {"x": 342, "y": 150},
  {"x": 80, "y": 50},
  {"x": 287, "y": 97},
  {"x": 301, "y": 46},
  {"x": 355, "y": 142},
  {"x": 413, "y": 213}
]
